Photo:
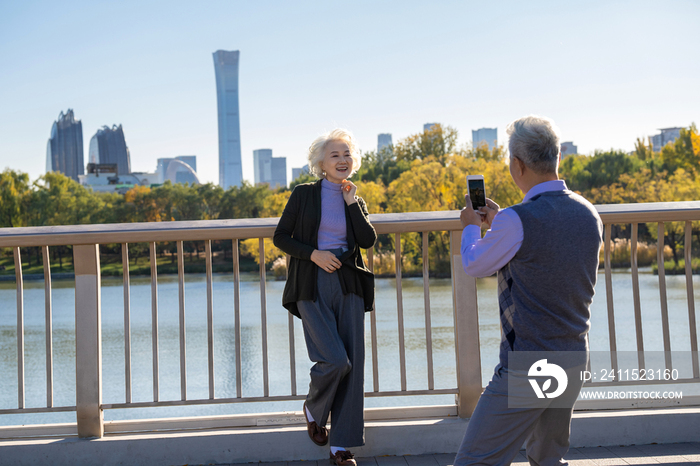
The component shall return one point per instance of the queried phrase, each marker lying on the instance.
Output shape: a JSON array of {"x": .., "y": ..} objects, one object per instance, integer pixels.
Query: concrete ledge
[
  {"x": 406, "y": 437},
  {"x": 634, "y": 427}
]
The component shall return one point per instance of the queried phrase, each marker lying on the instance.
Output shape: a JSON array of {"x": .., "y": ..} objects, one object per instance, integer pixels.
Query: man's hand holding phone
[
  {"x": 489, "y": 212},
  {"x": 469, "y": 216}
]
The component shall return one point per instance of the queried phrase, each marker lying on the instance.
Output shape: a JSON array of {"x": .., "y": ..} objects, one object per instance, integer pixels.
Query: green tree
[
  {"x": 303, "y": 178},
  {"x": 14, "y": 187},
  {"x": 683, "y": 153},
  {"x": 245, "y": 201},
  {"x": 438, "y": 142}
]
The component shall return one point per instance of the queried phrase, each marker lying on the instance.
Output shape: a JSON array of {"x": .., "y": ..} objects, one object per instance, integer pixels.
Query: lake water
[{"x": 279, "y": 374}]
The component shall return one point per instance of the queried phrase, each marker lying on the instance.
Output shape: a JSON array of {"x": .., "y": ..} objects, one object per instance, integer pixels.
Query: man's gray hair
[{"x": 535, "y": 140}]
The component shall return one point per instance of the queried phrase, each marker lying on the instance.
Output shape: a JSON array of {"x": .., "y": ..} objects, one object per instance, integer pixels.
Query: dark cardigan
[{"x": 297, "y": 235}]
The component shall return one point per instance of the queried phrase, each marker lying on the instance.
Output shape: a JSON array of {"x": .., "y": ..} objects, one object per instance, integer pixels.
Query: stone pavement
[{"x": 668, "y": 454}]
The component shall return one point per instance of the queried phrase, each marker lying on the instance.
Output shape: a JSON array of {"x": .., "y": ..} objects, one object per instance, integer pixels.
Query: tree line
[{"x": 423, "y": 172}]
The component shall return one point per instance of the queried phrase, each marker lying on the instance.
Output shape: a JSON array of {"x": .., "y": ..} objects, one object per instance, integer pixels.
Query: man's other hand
[
  {"x": 469, "y": 216},
  {"x": 489, "y": 212}
]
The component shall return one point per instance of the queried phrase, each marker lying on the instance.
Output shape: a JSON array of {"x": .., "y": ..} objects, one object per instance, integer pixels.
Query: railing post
[
  {"x": 466, "y": 316},
  {"x": 88, "y": 340}
]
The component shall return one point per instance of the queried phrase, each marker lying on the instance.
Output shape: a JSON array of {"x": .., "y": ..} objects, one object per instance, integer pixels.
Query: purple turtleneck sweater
[{"x": 332, "y": 232}]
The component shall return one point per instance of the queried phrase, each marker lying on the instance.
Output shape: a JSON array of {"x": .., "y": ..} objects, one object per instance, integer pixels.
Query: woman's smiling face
[{"x": 337, "y": 162}]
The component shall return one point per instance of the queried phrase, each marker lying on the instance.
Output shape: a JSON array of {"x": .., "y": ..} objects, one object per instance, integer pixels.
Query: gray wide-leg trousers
[
  {"x": 334, "y": 328},
  {"x": 496, "y": 433}
]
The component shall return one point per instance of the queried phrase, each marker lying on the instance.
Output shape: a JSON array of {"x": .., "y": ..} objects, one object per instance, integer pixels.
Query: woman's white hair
[
  {"x": 317, "y": 151},
  {"x": 535, "y": 140}
]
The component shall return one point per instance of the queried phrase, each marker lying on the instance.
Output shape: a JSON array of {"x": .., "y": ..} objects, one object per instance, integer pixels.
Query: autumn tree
[
  {"x": 14, "y": 187},
  {"x": 438, "y": 142}
]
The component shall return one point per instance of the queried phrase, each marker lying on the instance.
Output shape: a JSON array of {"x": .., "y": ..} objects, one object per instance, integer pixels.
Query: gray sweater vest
[{"x": 546, "y": 290}]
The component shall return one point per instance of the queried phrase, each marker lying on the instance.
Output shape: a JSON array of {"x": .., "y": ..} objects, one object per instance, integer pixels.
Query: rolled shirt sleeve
[{"x": 482, "y": 257}]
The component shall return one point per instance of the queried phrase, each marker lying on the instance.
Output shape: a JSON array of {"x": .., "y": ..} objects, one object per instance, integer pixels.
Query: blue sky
[{"x": 606, "y": 72}]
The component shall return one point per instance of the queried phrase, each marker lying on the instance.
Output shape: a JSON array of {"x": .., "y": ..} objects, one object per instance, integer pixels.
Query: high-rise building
[
  {"x": 262, "y": 165},
  {"x": 181, "y": 169},
  {"x": 383, "y": 140},
  {"x": 226, "y": 70},
  {"x": 568, "y": 148},
  {"x": 64, "y": 150},
  {"x": 487, "y": 135},
  {"x": 429, "y": 126},
  {"x": 108, "y": 146},
  {"x": 667, "y": 136},
  {"x": 279, "y": 172},
  {"x": 269, "y": 169}
]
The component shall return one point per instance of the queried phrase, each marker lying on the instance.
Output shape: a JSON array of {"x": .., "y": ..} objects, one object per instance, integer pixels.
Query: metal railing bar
[
  {"x": 609, "y": 297},
  {"x": 20, "y": 327},
  {"x": 635, "y": 295},
  {"x": 210, "y": 317},
  {"x": 263, "y": 316},
  {"x": 662, "y": 293},
  {"x": 237, "y": 315},
  {"x": 259, "y": 399},
  {"x": 154, "y": 316},
  {"x": 688, "y": 252},
  {"x": 127, "y": 321},
  {"x": 53, "y": 409},
  {"x": 426, "y": 300},
  {"x": 292, "y": 354},
  {"x": 181, "y": 302},
  {"x": 48, "y": 325},
  {"x": 292, "y": 345},
  {"x": 399, "y": 310},
  {"x": 373, "y": 329}
]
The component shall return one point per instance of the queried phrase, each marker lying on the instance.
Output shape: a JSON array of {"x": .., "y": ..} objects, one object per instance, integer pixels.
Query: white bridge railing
[{"x": 86, "y": 242}]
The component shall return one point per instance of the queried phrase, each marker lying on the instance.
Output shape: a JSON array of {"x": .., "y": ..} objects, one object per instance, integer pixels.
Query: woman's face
[{"x": 337, "y": 162}]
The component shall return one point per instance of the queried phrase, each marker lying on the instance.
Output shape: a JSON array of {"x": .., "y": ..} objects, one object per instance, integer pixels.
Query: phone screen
[{"x": 477, "y": 193}]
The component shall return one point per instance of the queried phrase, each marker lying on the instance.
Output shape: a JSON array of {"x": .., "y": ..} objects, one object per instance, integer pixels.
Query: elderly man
[{"x": 545, "y": 251}]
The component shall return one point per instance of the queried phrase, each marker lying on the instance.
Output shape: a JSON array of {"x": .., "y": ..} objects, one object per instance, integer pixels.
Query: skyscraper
[
  {"x": 64, "y": 150},
  {"x": 269, "y": 169},
  {"x": 109, "y": 146},
  {"x": 226, "y": 70},
  {"x": 383, "y": 140},
  {"x": 487, "y": 135}
]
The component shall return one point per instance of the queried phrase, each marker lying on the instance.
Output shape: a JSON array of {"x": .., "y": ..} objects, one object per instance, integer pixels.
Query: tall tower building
[
  {"x": 487, "y": 135},
  {"x": 64, "y": 150},
  {"x": 383, "y": 140},
  {"x": 226, "y": 70},
  {"x": 109, "y": 146}
]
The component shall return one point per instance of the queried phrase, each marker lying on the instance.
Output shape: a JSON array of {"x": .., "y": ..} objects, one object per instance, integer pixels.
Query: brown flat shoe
[
  {"x": 317, "y": 434},
  {"x": 343, "y": 458}
]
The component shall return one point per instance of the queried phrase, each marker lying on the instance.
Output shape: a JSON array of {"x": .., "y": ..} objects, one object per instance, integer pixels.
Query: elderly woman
[{"x": 323, "y": 227}]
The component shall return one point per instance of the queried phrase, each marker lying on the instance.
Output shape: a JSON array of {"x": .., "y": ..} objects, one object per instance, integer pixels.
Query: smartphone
[{"x": 476, "y": 190}]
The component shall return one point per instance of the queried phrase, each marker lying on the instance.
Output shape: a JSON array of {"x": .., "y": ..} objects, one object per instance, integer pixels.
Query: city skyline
[{"x": 158, "y": 83}]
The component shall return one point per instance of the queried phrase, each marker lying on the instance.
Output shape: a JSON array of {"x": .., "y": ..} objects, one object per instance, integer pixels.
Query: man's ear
[{"x": 520, "y": 165}]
